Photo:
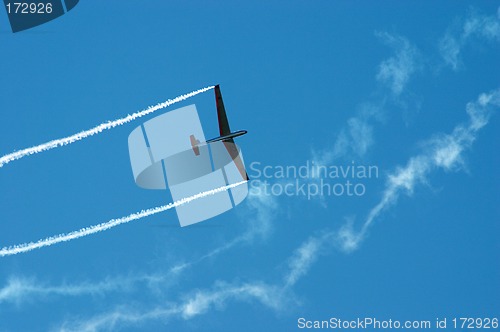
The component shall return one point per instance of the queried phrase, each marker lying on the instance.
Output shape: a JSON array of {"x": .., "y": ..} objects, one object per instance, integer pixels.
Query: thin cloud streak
[
  {"x": 397, "y": 70},
  {"x": 197, "y": 303},
  {"x": 25, "y": 247},
  {"x": 96, "y": 130},
  {"x": 354, "y": 140},
  {"x": 303, "y": 258},
  {"x": 277, "y": 297},
  {"x": 19, "y": 289},
  {"x": 476, "y": 26}
]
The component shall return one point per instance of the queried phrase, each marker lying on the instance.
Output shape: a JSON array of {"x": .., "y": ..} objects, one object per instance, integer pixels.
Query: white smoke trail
[
  {"x": 96, "y": 130},
  {"x": 20, "y": 248}
]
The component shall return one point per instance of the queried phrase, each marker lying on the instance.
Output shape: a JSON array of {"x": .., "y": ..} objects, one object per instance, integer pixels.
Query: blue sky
[{"x": 410, "y": 88}]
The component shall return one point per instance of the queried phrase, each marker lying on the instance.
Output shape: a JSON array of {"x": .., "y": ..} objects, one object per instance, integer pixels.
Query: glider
[
  {"x": 226, "y": 136},
  {"x": 171, "y": 149}
]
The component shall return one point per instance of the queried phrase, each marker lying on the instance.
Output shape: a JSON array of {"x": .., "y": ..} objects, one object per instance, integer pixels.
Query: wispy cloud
[
  {"x": 197, "y": 303},
  {"x": 19, "y": 289},
  {"x": 201, "y": 301},
  {"x": 475, "y": 26},
  {"x": 262, "y": 209},
  {"x": 357, "y": 137},
  {"x": 354, "y": 140},
  {"x": 441, "y": 152},
  {"x": 25, "y": 247},
  {"x": 277, "y": 296},
  {"x": 396, "y": 71},
  {"x": 304, "y": 257},
  {"x": 96, "y": 130},
  {"x": 444, "y": 151}
]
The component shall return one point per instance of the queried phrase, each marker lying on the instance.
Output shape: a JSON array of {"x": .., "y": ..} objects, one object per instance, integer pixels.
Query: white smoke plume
[
  {"x": 25, "y": 247},
  {"x": 96, "y": 130}
]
